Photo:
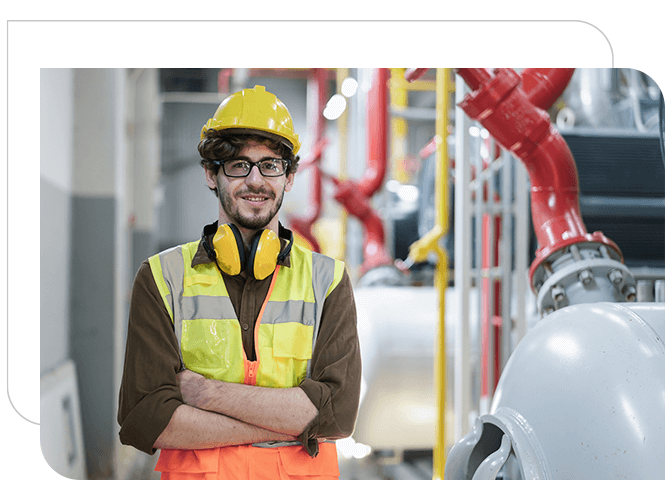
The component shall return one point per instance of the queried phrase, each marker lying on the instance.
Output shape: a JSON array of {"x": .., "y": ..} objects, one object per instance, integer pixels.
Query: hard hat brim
[{"x": 262, "y": 133}]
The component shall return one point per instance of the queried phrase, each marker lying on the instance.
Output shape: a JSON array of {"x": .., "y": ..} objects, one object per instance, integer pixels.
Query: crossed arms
[
  {"x": 222, "y": 414},
  {"x": 152, "y": 412}
]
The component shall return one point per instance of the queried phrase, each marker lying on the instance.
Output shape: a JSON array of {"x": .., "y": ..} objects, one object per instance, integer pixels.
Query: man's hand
[{"x": 192, "y": 387}]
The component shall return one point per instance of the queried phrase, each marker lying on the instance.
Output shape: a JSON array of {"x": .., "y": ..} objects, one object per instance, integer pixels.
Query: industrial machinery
[
  {"x": 583, "y": 394},
  {"x": 581, "y": 397}
]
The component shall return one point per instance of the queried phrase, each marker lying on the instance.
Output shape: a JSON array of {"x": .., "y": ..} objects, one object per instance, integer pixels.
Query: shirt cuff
[
  {"x": 147, "y": 420},
  {"x": 319, "y": 395}
]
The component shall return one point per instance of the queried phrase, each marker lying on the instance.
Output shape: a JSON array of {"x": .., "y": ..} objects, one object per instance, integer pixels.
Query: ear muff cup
[
  {"x": 265, "y": 250},
  {"x": 229, "y": 248}
]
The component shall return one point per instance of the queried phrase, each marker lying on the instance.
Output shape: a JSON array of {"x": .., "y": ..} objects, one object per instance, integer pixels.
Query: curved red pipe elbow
[
  {"x": 303, "y": 227},
  {"x": 554, "y": 191},
  {"x": 520, "y": 126},
  {"x": 355, "y": 196},
  {"x": 348, "y": 193}
]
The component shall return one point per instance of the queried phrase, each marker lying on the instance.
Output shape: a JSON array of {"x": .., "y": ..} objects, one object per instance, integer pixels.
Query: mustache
[{"x": 251, "y": 192}]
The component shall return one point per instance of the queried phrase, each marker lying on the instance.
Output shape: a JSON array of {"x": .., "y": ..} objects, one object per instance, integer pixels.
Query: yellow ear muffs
[
  {"x": 265, "y": 250},
  {"x": 229, "y": 248}
]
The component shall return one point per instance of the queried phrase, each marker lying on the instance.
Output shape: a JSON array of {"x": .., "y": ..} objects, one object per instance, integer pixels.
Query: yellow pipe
[
  {"x": 416, "y": 86},
  {"x": 430, "y": 243},
  {"x": 342, "y": 73},
  {"x": 399, "y": 99}
]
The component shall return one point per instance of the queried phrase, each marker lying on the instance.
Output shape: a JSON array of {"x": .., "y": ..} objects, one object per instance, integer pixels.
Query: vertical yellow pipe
[
  {"x": 441, "y": 278},
  {"x": 399, "y": 100},
  {"x": 418, "y": 252},
  {"x": 342, "y": 73}
]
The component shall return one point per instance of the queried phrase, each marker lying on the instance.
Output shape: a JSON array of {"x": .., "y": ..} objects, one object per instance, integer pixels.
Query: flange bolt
[
  {"x": 547, "y": 310},
  {"x": 585, "y": 276},
  {"x": 630, "y": 293},
  {"x": 557, "y": 293},
  {"x": 615, "y": 276}
]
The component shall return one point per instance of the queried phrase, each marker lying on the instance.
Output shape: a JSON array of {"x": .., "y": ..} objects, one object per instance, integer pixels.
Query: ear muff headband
[{"x": 287, "y": 234}]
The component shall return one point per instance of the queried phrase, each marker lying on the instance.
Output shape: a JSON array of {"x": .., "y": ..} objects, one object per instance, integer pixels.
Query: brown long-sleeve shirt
[{"x": 150, "y": 394}]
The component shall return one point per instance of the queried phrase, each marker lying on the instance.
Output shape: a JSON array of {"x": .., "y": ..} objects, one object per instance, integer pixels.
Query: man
[{"x": 242, "y": 358}]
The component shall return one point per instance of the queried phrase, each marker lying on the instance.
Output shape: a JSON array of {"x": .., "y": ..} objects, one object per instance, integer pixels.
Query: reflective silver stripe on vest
[
  {"x": 291, "y": 311},
  {"x": 172, "y": 264},
  {"x": 207, "y": 307},
  {"x": 323, "y": 274}
]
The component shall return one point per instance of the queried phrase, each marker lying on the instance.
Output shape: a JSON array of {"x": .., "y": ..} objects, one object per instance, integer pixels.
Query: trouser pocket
[
  {"x": 297, "y": 464},
  {"x": 188, "y": 464}
]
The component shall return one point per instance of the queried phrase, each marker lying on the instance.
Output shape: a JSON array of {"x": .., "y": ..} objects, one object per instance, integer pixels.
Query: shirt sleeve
[
  {"x": 334, "y": 387},
  {"x": 149, "y": 392}
]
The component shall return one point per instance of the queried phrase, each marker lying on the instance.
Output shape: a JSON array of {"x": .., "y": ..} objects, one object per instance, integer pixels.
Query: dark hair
[{"x": 223, "y": 145}]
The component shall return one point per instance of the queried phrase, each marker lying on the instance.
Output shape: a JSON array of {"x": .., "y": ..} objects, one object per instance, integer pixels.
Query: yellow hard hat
[{"x": 254, "y": 109}]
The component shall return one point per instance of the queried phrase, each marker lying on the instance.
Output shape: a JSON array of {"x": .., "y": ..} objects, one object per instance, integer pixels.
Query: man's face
[{"x": 251, "y": 202}]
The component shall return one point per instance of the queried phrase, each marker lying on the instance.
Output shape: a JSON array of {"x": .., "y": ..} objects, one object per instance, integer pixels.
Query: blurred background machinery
[{"x": 431, "y": 206}]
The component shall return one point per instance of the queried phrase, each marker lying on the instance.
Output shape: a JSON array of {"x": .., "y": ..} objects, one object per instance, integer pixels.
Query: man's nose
[{"x": 255, "y": 178}]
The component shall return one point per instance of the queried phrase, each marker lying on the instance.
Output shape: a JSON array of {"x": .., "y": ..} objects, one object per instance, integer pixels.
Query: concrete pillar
[
  {"x": 144, "y": 159},
  {"x": 98, "y": 184},
  {"x": 56, "y": 140},
  {"x": 138, "y": 228}
]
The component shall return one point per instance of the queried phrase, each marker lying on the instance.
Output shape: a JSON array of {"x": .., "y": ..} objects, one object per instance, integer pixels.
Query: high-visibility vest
[{"x": 209, "y": 333}]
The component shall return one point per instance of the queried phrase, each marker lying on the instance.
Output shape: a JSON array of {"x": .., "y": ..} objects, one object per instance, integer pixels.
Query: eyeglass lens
[{"x": 242, "y": 168}]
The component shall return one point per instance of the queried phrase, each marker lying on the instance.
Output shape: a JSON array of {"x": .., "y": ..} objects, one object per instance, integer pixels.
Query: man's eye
[
  {"x": 270, "y": 165},
  {"x": 240, "y": 165}
]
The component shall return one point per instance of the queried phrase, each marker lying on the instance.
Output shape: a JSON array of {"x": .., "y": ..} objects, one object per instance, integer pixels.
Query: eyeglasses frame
[{"x": 220, "y": 163}]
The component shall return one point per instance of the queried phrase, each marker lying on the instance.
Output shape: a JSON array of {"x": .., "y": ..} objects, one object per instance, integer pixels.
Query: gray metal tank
[{"x": 581, "y": 397}]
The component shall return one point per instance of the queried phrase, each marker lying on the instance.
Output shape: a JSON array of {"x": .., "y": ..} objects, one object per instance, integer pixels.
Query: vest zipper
[{"x": 252, "y": 366}]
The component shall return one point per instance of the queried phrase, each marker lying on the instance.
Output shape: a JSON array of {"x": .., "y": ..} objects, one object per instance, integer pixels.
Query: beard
[{"x": 256, "y": 221}]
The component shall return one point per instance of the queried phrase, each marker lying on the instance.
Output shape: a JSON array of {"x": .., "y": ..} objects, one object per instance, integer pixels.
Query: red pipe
[
  {"x": 376, "y": 134},
  {"x": 490, "y": 285},
  {"x": 304, "y": 225},
  {"x": 412, "y": 74},
  {"x": 355, "y": 195},
  {"x": 223, "y": 80},
  {"x": 348, "y": 193},
  {"x": 544, "y": 85},
  {"x": 474, "y": 77},
  {"x": 522, "y": 128}
]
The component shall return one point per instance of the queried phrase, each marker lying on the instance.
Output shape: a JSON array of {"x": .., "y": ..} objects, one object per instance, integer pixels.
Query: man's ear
[
  {"x": 289, "y": 182},
  {"x": 210, "y": 177}
]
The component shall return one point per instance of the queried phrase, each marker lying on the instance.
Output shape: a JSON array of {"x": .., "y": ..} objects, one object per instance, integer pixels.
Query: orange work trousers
[{"x": 249, "y": 462}]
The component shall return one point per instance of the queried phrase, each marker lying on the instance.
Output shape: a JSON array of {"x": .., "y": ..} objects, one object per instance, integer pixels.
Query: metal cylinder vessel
[{"x": 581, "y": 397}]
